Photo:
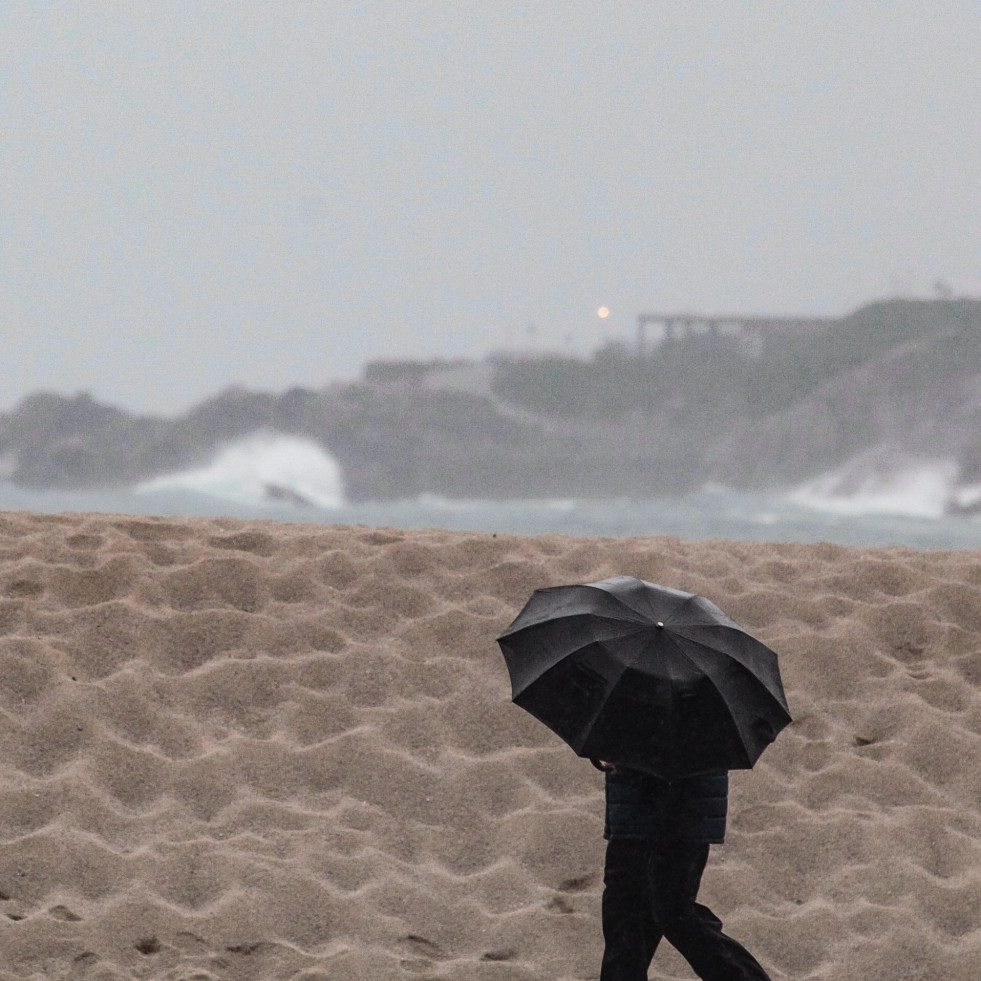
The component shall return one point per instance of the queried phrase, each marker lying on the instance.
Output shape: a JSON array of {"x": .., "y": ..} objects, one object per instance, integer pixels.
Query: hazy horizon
[{"x": 198, "y": 195}]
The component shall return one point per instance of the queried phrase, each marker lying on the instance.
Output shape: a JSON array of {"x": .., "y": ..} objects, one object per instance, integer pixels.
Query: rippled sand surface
[{"x": 247, "y": 750}]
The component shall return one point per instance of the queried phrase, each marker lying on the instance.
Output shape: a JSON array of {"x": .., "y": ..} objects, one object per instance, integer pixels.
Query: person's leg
[
  {"x": 629, "y": 929},
  {"x": 693, "y": 929}
]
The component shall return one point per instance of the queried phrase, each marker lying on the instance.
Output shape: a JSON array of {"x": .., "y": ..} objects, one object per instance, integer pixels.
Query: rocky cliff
[{"x": 893, "y": 381}]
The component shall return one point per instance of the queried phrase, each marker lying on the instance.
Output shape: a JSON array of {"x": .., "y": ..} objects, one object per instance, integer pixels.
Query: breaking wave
[
  {"x": 287, "y": 478},
  {"x": 913, "y": 489},
  {"x": 266, "y": 468}
]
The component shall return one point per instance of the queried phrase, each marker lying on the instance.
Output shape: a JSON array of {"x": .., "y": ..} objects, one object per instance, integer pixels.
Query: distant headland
[{"x": 749, "y": 402}]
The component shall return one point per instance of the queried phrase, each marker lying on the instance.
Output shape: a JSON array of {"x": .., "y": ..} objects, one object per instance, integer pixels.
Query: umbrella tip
[{"x": 659, "y": 625}]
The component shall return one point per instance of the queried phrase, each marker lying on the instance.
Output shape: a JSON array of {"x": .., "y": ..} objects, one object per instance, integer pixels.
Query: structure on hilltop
[{"x": 751, "y": 332}]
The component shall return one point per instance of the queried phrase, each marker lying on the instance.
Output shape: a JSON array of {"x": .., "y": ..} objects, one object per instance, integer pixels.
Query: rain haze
[{"x": 196, "y": 195}]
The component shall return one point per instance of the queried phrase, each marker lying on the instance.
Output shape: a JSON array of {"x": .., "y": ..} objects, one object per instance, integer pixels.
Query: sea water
[
  {"x": 288, "y": 479},
  {"x": 710, "y": 513}
]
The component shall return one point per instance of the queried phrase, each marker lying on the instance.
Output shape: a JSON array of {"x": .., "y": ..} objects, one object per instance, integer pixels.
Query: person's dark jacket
[{"x": 642, "y": 806}]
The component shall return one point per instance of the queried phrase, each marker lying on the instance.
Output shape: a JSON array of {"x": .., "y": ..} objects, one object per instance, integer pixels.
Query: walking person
[
  {"x": 658, "y": 838},
  {"x": 673, "y": 693}
]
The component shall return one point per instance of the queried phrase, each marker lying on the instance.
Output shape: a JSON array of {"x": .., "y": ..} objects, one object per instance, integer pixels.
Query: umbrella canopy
[{"x": 645, "y": 676}]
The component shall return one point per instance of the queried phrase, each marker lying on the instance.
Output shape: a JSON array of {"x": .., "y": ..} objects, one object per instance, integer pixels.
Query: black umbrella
[{"x": 645, "y": 676}]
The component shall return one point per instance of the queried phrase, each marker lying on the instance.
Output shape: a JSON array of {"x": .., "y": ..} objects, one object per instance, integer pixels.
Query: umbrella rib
[
  {"x": 725, "y": 703},
  {"x": 621, "y": 601},
  {"x": 587, "y": 723},
  {"x": 545, "y": 664},
  {"x": 715, "y": 685},
  {"x": 737, "y": 658},
  {"x": 578, "y": 614},
  {"x": 641, "y": 606},
  {"x": 587, "y": 727}
]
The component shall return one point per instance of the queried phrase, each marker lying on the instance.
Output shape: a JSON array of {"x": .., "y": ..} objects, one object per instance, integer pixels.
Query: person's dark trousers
[{"x": 649, "y": 893}]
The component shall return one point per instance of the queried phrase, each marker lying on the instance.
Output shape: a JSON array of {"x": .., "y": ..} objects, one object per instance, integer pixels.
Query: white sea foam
[
  {"x": 266, "y": 468},
  {"x": 718, "y": 513},
  {"x": 968, "y": 496},
  {"x": 911, "y": 488}
]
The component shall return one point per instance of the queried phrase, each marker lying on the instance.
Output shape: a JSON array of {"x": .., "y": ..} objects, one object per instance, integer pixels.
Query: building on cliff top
[{"x": 751, "y": 332}]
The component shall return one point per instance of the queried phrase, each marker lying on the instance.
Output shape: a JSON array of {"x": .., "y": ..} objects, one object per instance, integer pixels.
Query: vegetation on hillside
[{"x": 707, "y": 379}]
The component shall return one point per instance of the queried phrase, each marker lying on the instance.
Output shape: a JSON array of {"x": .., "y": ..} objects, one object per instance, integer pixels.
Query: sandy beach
[{"x": 253, "y": 751}]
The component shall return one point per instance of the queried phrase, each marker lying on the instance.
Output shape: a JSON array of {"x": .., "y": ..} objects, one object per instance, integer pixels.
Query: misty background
[{"x": 273, "y": 194}]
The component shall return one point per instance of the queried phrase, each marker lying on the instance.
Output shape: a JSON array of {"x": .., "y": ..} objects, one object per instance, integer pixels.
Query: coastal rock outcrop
[{"x": 897, "y": 376}]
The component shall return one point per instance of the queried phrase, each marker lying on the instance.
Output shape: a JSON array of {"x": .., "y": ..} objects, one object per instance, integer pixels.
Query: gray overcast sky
[{"x": 199, "y": 194}]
